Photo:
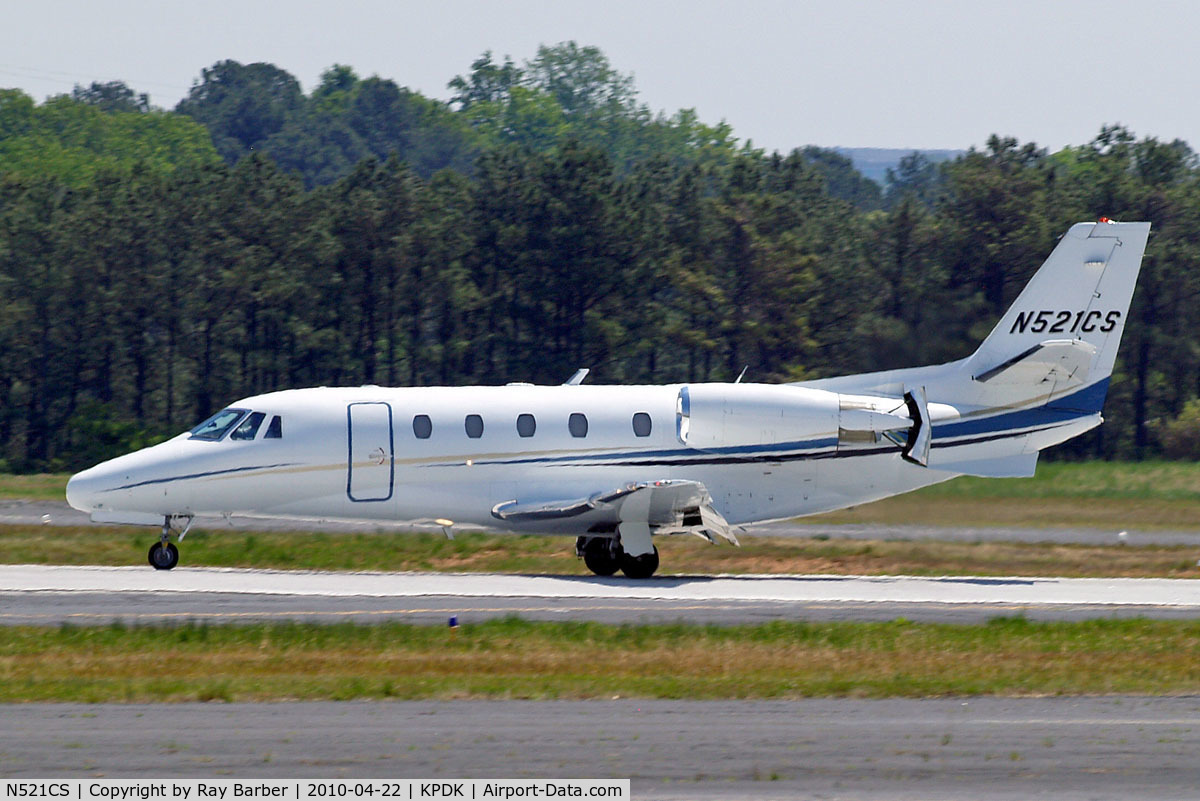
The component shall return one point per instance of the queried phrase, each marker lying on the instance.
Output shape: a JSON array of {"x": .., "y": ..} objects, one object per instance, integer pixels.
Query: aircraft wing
[{"x": 668, "y": 506}]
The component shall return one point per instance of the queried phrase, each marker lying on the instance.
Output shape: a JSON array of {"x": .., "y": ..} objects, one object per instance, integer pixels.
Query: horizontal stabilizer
[
  {"x": 1020, "y": 465},
  {"x": 1060, "y": 363}
]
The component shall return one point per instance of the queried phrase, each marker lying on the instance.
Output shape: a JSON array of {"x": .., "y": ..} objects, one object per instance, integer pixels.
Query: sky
[{"x": 874, "y": 73}]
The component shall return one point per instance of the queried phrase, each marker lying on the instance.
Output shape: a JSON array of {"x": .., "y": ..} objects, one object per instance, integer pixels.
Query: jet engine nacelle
[
  {"x": 723, "y": 416},
  {"x": 731, "y": 416}
]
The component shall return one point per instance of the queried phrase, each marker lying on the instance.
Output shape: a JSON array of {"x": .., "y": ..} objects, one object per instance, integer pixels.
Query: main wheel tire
[
  {"x": 639, "y": 567},
  {"x": 163, "y": 558},
  {"x": 599, "y": 557}
]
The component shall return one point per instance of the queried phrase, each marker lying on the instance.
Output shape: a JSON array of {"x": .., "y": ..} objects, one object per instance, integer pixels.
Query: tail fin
[
  {"x": 1041, "y": 375},
  {"x": 1070, "y": 317}
]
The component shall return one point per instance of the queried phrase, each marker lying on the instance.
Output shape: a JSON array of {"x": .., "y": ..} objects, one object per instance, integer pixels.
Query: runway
[
  {"x": 40, "y": 594},
  {"x": 984, "y": 748},
  {"x": 981, "y": 748}
]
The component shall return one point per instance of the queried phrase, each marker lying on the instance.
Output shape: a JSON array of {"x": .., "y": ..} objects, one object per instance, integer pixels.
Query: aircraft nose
[{"x": 82, "y": 489}]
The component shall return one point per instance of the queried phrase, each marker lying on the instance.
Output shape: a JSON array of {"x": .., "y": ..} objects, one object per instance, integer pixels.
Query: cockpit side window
[
  {"x": 275, "y": 430},
  {"x": 249, "y": 427},
  {"x": 216, "y": 426}
]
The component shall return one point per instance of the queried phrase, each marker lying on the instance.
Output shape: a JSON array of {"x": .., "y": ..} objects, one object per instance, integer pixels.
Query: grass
[
  {"x": 96, "y": 545},
  {"x": 1109, "y": 495},
  {"x": 520, "y": 659},
  {"x": 1142, "y": 481},
  {"x": 34, "y": 487}
]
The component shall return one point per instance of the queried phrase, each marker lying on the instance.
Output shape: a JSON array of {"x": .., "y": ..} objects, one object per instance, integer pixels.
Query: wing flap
[
  {"x": 674, "y": 506},
  {"x": 520, "y": 511}
]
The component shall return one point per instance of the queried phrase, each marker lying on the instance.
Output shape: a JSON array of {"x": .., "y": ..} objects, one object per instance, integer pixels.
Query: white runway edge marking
[{"x": 812, "y": 588}]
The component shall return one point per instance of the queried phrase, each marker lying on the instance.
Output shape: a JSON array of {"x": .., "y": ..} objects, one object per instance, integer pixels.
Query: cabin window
[
  {"x": 526, "y": 425},
  {"x": 422, "y": 426},
  {"x": 577, "y": 424},
  {"x": 249, "y": 427},
  {"x": 474, "y": 426},
  {"x": 216, "y": 426},
  {"x": 641, "y": 424},
  {"x": 275, "y": 429}
]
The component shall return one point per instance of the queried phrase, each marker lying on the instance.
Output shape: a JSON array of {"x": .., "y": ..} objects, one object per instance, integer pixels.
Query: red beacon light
[{"x": 1105, "y": 220}]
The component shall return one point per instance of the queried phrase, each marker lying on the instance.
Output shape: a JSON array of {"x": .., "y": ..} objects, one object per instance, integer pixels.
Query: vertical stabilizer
[
  {"x": 1080, "y": 294},
  {"x": 1042, "y": 374}
]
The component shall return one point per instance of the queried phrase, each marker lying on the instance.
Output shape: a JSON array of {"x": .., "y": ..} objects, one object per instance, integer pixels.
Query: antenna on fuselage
[
  {"x": 742, "y": 374},
  {"x": 577, "y": 379}
]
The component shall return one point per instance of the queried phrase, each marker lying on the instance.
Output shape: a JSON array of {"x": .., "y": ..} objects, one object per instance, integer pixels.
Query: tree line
[{"x": 540, "y": 221}]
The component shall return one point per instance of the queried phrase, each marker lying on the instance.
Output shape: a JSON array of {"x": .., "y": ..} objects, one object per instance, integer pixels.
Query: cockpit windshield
[
  {"x": 216, "y": 426},
  {"x": 249, "y": 427}
]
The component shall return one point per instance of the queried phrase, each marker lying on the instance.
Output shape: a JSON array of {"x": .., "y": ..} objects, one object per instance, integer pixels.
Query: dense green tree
[
  {"x": 541, "y": 221},
  {"x": 581, "y": 80},
  {"x": 111, "y": 96},
  {"x": 487, "y": 82},
  {"x": 241, "y": 104},
  {"x": 76, "y": 140},
  {"x": 842, "y": 180},
  {"x": 916, "y": 178}
]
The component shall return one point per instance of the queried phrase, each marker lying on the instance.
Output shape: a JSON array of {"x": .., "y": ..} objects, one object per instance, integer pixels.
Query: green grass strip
[
  {"x": 499, "y": 553},
  {"x": 513, "y": 658}
]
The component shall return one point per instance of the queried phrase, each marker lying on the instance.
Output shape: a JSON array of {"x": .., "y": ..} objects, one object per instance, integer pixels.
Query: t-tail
[{"x": 1041, "y": 375}]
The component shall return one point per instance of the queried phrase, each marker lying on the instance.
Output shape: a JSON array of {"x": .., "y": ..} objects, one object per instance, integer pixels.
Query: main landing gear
[
  {"x": 163, "y": 554},
  {"x": 604, "y": 556}
]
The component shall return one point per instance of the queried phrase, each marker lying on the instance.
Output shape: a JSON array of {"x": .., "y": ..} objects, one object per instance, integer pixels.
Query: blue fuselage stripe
[
  {"x": 1084, "y": 403},
  {"x": 208, "y": 474}
]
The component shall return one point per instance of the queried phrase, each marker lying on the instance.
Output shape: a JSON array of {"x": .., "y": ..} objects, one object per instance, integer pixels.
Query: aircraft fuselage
[{"x": 455, "y": 453}]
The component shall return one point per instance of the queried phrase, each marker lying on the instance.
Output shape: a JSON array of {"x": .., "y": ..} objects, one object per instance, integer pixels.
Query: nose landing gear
[{"x": 163, "y": 554}]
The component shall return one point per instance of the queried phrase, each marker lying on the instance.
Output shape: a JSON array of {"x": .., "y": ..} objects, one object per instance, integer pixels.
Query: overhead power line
[{"x": 72, "y": 79}]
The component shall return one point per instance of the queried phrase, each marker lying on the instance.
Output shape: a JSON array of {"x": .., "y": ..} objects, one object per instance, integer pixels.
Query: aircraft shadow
[
  {"x": 683, "y": 581},
  {"x": 678, "y": 581},
  {"x": 986, "y": 582}
]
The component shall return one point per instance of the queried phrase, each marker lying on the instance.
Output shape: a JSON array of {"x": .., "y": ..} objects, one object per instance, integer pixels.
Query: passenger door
[{"x": 372, "y": 463}]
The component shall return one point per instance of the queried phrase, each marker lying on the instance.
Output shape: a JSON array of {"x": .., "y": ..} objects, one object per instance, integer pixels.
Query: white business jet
[{"x": 615, "y": 466}]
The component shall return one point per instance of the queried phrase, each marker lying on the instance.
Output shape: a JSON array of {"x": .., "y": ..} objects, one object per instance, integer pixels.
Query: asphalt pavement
[
  {"x": 953, "y": 748},
  {"x": 50, "y": 595}
]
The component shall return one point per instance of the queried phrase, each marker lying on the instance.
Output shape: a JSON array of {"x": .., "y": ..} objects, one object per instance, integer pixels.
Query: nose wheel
[
  {"x": 163, "y": 554},
  {"x": 164, "y": 557}
]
